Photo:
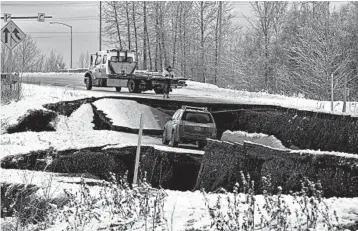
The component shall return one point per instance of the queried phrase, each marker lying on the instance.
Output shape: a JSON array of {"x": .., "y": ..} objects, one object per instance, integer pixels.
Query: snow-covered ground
[
  {"x": 259, "y": 138},
  {"x": 34, "y": 96},
  {"x": 126, "y": 113},
  {"x": 183, "y": 210},
  {"x": 263, "y": 98},
  {"x": 24, "y": 142}
]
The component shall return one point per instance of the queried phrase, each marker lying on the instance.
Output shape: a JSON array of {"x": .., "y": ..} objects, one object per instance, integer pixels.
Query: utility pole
[{"x": 100, "y": 25}]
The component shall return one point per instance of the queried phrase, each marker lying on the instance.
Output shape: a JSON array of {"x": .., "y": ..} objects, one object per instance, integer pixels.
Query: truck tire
[
  {"x": 133, "y": 86},
  {"x": 88, "y": 83},
  {"x": 158, "y": 90},
  {"x": 118, "y": 89}
]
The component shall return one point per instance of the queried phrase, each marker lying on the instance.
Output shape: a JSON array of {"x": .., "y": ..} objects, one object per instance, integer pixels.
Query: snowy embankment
[
  {"x": 258, "y": 138},
  {"x": 262, "y": 98},
  {"x": 34, "y": 96},
  {"x": 126, "y": 113}
]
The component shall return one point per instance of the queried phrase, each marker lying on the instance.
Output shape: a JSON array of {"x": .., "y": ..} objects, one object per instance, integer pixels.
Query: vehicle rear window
[{"x": 197, "y": 117}]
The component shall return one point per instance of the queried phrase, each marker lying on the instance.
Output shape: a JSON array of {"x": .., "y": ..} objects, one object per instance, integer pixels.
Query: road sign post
[
  {"x": 136, "y": 166},
  {"x": 11, "y": 35}
]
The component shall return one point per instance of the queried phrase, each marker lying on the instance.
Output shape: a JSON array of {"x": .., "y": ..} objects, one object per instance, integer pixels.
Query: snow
[
  {"x": 34, "y": 74},
  {"x": 325, "y": 153},
  {"x": 80, "y": 120},
  {"x": 24, "y": 142},
  {"x": 258, "y": 138},
  {"x": 52, "y": 183},
  {"x": 182, "y": 210},
  {"x": 34, "y": 96},
  {"x": 189, "y": 211},
  {"x": 210, "y": 91},
  {"x": 126, "y": 113}
]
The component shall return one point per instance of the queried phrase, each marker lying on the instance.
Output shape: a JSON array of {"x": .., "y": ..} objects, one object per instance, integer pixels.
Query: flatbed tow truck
[{"x": 117, "y": 68}]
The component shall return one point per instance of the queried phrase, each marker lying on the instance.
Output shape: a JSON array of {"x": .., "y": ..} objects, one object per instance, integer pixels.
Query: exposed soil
[{"x": 34, "y": 120}]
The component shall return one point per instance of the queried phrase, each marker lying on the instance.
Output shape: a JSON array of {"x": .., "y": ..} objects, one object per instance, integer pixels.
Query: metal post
[
  {"x": 332, "y": 86},
  {"x": 71, "y": 47},
  {"x": 138, "y": 150},
  {"x": 345, "y": 94}
]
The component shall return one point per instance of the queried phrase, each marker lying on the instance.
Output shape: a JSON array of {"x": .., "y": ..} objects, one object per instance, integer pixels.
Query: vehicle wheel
[
  {"x": 88, "y": 83},
  {"x": 133, "y": 86},
  {"x": 158, "y": 90},
  {"x": 118, "y": 89},
  {"x": 201, "y": 144},
  {"x": 173, "y": 143},
  {"x": 164, "y": 137}
]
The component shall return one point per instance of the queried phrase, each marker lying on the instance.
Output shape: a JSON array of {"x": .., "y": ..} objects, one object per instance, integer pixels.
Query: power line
[
  {"x": 58, "y": 32},
  {"x": 49, "y": 4}
]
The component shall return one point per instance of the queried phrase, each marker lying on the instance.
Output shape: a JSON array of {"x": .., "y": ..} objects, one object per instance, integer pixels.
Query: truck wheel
[
  {"x": 118, "y": 89},
  {"x": 158, "y": 90},
  {"x": 133, "y": 86},
  {"x": 164, "y": 137},
  {"x": 173, "y": 143},
  {"x": 88, "y": 83}
]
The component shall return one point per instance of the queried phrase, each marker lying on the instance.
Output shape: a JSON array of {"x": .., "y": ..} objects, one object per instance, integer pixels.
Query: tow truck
[{"x": 118, "y": 68}]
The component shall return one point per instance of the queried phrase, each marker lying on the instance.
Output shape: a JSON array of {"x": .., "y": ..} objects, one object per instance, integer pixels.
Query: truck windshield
[
  {"x": 197, "y": 117},
  {"x": 121, "y": 59}
]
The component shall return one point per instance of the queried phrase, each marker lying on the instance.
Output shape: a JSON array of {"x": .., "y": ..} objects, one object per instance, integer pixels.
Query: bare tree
[
  {"x": 54, "y": 62},
  {"x": 26, "y": 54},
  {"x": 269, "y": 15}
]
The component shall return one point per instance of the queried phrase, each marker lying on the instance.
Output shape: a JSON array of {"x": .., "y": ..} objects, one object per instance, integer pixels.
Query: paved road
[{"x": 76, "y": 81}]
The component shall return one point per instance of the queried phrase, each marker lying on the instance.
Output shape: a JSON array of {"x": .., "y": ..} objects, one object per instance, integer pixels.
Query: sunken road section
[
  {"x": 223, "y": 163},
  {"x": 295, "y": 128},
  {"x": 170, "y": 168}
]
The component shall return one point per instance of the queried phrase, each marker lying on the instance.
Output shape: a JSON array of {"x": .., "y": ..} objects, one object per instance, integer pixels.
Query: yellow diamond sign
[{"x": 11, "y": 35}]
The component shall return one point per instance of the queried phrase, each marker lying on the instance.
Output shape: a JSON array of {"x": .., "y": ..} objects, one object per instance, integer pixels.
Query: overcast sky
[{"x": 83, "y": 16}]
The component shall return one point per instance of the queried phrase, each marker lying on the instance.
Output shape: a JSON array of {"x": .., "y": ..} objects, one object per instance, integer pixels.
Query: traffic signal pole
[{"x": 27, "y": 17}]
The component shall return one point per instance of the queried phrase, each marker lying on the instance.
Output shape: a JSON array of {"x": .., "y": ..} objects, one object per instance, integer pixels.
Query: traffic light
[
  {"x": 7, "y": 17},
  {"x": 41, "y": 17}
]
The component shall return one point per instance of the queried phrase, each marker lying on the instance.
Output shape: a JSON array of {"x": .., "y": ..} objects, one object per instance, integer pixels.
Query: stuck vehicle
[
  {"x": 118, "y": 69},
  {"x": 189, "y": 125}
]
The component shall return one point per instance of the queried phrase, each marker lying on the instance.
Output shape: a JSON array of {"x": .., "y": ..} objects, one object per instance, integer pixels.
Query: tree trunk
[
  {"x": 118, "y": 32},
  {"x": 128, "y": 27},
  {"x": 144, "y": 36},
  {"x": 220, "y": 38},
  {"x": 202, "y": 40},
  {"x": 175, "y": 33},
  {"x": 164, "y": 62},
  {"x": 135, "y": 29}
]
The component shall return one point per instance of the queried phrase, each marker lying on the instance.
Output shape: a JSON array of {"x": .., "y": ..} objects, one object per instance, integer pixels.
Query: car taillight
[{"x": 214, "y": 133}]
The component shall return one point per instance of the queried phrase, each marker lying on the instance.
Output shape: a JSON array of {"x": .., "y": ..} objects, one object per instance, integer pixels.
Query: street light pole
[{"x": 71, "y": 35}]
